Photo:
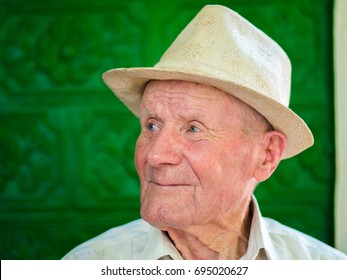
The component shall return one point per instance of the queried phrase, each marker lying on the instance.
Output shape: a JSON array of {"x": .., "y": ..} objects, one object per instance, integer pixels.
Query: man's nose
[{"x": 165, "y": 149}]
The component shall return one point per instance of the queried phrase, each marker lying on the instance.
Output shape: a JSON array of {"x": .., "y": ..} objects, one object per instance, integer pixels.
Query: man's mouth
[{"x": 167, "y": 184}]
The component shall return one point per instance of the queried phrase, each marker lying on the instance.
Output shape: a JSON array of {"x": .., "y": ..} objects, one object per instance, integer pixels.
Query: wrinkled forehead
[
  {"x": 186, "y": 90},
  {"x": 194, "y": 99},
  {"x": 191, "y": 91},
  {"x": 184, "y": 95}
]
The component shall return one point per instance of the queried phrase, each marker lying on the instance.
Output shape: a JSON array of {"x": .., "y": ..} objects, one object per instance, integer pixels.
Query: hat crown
[{"x": 220, "y": 44}]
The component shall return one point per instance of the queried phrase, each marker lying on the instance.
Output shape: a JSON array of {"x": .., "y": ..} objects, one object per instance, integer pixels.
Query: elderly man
[{"x": 215, "y": 122}]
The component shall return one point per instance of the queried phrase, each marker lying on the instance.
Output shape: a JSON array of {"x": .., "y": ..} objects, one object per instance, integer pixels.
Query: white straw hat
[{"x": 221, "y": 49}]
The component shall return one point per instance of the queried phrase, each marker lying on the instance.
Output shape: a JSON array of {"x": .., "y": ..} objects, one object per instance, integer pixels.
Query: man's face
[{"x": 194, "y": 159}]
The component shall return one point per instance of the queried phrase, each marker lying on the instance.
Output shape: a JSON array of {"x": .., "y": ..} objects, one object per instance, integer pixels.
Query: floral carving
[
  {"x": 28, "y": 158},
  {"x": 68, "y": 50}
]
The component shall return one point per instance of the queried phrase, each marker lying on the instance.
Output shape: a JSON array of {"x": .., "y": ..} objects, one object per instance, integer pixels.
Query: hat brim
[{"x": 128, "y": 85}]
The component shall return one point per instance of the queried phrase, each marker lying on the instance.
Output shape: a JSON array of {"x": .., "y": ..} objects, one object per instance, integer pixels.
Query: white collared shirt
[{"x": 139, "y": 240}]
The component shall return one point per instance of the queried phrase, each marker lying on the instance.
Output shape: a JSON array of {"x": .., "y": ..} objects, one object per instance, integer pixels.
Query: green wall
[{"x": 66, "y": 143}]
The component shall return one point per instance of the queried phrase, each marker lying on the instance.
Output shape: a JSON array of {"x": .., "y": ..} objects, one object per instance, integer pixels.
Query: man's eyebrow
[
  {"x": 145, "y": 113},
  {"x": 197, "y": 115}
]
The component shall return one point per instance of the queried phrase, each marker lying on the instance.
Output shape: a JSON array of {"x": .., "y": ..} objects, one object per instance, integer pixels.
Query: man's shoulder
[
  {"x": 110, "y": 244},
  {"x": 293, "y": 244}
]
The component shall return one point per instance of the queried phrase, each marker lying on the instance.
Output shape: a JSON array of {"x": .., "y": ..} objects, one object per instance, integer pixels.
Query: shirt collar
[
  {"x": 159, "y": 246},
  {"x": 259, "y": 238}
]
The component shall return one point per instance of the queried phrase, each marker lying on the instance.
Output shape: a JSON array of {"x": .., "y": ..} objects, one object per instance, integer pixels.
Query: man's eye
[
  {"x": 152, "y": 127},
  {"x": 194, "y": 129}
]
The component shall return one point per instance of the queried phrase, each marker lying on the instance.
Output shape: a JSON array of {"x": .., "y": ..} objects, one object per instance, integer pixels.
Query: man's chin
[{"x": 163, "y": 222}]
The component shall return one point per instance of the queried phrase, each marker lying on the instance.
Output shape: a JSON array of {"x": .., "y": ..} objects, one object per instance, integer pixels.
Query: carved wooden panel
[{"x": 66, "y": 143}]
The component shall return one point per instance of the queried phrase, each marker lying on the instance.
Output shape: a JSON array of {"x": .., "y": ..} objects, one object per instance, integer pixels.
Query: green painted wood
[{"x": 66, "y": 143}]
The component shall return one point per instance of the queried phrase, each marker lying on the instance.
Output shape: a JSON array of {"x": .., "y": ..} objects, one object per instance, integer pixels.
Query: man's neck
[{"x": 224, "y": 239}]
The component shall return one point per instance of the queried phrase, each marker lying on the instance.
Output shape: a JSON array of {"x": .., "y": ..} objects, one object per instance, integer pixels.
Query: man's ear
[{"x": 273, "y": 146}]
